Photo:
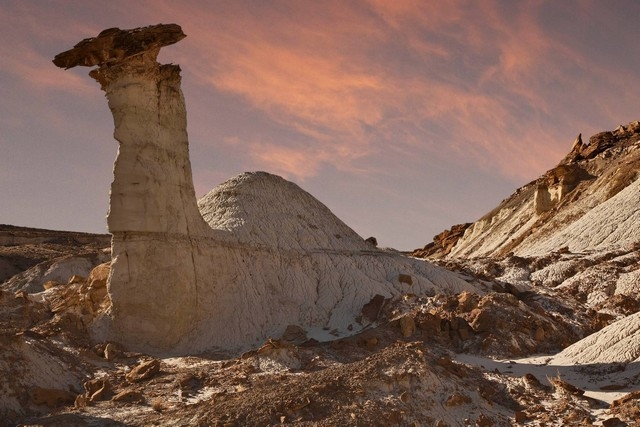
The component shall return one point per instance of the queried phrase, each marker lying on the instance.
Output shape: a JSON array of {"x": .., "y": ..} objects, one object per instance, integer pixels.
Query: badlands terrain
[
  {"x": 256, "y": 306},
  {"x": 549, "y": 336}
]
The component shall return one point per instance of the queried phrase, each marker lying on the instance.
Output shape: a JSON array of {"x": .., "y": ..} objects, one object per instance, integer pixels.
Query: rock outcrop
[
  {"x": 269, "y": 255},
  {"x": 443, "y": 242},
  {"x": 589, "y": 201}
]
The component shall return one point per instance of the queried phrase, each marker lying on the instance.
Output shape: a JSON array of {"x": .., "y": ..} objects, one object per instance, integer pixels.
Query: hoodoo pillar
[{"x": 152, "y": 209}]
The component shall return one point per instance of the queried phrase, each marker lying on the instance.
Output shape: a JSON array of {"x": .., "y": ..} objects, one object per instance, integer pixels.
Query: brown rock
[
  {"x": 81, "y": 401},
  {"x": 407, "y": 325},
  {"x": 99, "y": 276},
  {"x": 462, "y": 327},
  {"x": 442, "y": 243},
  {"x": 294, "y": 334},
  {"x": 143, "y": 371},
  {"x": 467, "y": 301},
  {"x": 626, "y": 398},
  {"x": 613, "y": 422},
  {"x": 53, "y": 398},
  {"x": 457, "y": 399},
  {"x": 76, "y": 279},
  {"x": 97, "y": 389},
  {"x": 371, "y": 310},
  {"x": 520, "y": 417},
  {"x": 371, "y": 342},
  {"x": 484, "y": 421},
  {"x": 562, "y": 385},
  {"x": 112, "y": 351},
  {"x": 539, "y": 334},
  {"x": 128, "y": 396},
  {"x": 50, "y": 284},
  {"x": 531, "y": 380},
  {"x": 114, "y": 44},
  {"x": 405, "y": 278},
  {"x": 428, "y": 322}
]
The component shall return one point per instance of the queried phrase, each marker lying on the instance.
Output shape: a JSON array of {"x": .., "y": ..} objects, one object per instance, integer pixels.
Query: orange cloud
[{"x": 354, "y": 79}]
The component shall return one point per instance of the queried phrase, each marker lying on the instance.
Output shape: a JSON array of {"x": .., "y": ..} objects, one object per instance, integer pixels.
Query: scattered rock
[
  {"x": 520, "y": 417},
  {"x": 563, "y": 386},
  {"x": 97, "y": 389},
  {"x": 371, "y": 310},
  {"x": 372, "y": 241},
  {"x": 626, "y": 398},
  {"x": 113, "y": 351},
  {"x": 405, "y": 278},
  {"x": 457, "y": 399},
  {"x": 613, "y": 422},
  {"x": 53, "y": 398},
  {"x": 407, "y": 325},
  {"x": 143, "y": 371},
  {"x": 128, "y": 396},
  {"x": 294, "y": 334}
]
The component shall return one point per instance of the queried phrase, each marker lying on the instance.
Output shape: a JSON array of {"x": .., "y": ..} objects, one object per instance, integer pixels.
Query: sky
[{"x": 403, "y": 117}]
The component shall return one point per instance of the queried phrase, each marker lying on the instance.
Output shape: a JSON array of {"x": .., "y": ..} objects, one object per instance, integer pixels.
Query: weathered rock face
[
  {"x": 270, "y": 257},
  {"x": 588, "y": 202},
  {"x": 442, "y": 242}
]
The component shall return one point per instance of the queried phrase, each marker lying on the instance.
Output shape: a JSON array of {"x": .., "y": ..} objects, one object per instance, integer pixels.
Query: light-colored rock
[
  {"x": 617, "y": 343},
  {"x": 58, "y": 270},
  {"x": 589, "y": 201},
  {"x": 269, "y": 254}
]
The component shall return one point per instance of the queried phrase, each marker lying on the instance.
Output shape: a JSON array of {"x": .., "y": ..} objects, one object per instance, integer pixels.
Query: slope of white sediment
[
  {"x": 600, "y": 210},
  {"x": 287, "y": 260},
  {"x": 617, "y": 343},
  {"x": 275, "y": 257},
  {"x": 259, "y": 208},
  {"x": 614, "y": 222}
]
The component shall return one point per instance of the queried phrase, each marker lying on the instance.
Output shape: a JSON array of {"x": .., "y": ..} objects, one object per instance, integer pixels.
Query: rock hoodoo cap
[{"x": 114, "y": 45}]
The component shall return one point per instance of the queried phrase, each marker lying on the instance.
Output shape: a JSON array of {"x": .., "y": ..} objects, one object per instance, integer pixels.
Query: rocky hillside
[
  {"x": 258, "y": 307},
  {"x": 52, "y": 254},
  {"x": 588, "y": 202}
]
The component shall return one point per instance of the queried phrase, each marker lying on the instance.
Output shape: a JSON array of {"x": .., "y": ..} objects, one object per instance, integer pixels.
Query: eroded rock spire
[{"x": 268, "y": 259}]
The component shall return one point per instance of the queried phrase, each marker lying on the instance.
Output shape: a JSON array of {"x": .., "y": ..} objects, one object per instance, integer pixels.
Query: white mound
[
  {"x": 617, "y": 343},
  {"x": 265, "y": 209}
]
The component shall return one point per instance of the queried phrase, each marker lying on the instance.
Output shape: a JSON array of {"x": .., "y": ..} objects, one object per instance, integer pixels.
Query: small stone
[
  {"x": 76, "y": 279},
  {"x": 372, "y": 241},
  {"x": 143, "y": 371},
  {"x": 97, "y": 389},
  {"x": 405, "y": 278},
  {"x": 294, "y": 334},
  {"x": 520, "y": 417},
  {"x": 53, "y": 398},
  {"x": 112, "y": 351},
  {"x": 371, "y": 310},
  {"x": 128, "y": 396},
  {"x": 484, "y": 421},
  {"x": 81, "y": 401},
  {"x": 50, "y": 284},
  {"x": 613, "y": 422},
  {"x": 407, "y": 326},
  {"x": 371, "y": 342},
  {"x": 457, "y": 399}
]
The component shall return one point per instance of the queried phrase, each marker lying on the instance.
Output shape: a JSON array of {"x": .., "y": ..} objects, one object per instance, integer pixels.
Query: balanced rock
[{"x": 253, "y": 256}]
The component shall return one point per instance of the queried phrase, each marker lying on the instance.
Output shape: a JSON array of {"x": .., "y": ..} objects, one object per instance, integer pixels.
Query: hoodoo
[{"x": 269, "y": 255}]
